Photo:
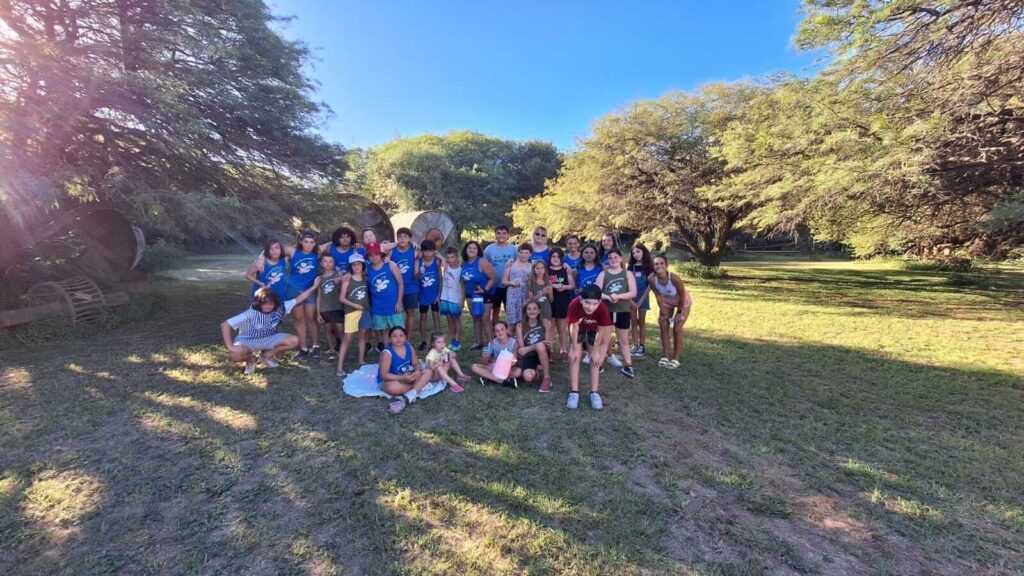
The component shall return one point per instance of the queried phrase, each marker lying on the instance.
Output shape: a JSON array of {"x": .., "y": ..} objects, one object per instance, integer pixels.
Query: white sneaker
[
  {"x": 270, "y": 362},
  {"x": 595, "y": 401},
  {"x": 574, "y": 401},
  {"x": 586, "y": 358},
  {"x": 250, "y": 367},
  {"x": 614, "y": 361}
]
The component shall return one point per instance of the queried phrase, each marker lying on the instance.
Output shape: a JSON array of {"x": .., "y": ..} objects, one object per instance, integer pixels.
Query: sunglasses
[{"x": 541, "y": 234}]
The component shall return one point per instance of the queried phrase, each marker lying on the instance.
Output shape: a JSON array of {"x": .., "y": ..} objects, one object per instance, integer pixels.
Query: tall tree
[
  {"x": 182, "y": 113},
  {"x": 655, "y": 167},
  {"x": 474, "y": 177}
]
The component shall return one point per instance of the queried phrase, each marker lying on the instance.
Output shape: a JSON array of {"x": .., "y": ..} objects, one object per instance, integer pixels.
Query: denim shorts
[{"x": 450, "y": 309}]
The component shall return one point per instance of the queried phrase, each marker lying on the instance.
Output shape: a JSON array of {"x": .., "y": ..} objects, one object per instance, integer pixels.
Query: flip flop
[
  {"x": 672, "y": 364},
  {"x": 663, "y": 362}
]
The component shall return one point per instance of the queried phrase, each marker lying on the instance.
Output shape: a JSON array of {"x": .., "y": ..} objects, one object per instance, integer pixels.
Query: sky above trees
[{"x": 525, "y": 70}]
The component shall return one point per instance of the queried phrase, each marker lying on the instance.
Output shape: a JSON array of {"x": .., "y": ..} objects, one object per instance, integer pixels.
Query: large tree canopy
[
  {"x": 473, "y": 177},
  {"x": 914, "y": 136},
  {"x": 192, "y": 116},
  {"x": 654, "y": 168}
]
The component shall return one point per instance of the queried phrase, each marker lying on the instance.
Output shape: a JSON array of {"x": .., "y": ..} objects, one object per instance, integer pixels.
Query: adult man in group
[{"x": 498, "y": 254}]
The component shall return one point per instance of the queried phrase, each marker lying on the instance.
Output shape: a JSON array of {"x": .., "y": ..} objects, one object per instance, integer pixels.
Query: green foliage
[
  {"x": 160, "y": 255},
  {"x": 473, "y": 177},
  {"x": 698, "y": 271},
  {"x": 194, "y": 118},
  {"x": 654, "y": 168}
]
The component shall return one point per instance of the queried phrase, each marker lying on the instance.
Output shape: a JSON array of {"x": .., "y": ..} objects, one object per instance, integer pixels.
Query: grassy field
[{"x": 829, "y": 418}]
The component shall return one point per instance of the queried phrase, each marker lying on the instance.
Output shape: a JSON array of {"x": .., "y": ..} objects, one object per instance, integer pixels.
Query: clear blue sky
[{"x": 529, "y": 69}]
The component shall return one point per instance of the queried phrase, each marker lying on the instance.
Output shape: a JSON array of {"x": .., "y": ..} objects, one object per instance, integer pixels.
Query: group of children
[{"x": 374, "y": 290}]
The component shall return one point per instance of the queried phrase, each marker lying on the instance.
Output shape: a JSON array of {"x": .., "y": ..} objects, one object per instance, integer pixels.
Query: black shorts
[
  {"x": 497, "y": 298},
  {"x": 560, "y": 307},
  {"x": 333, "y": 316},
  {"x": 424, "y": 308},
  {"x": 587, "y": 338},
  {"x": 621, "y": 320},
  {"x": 410, "y": 301},
  {"x": 529, "y": 362}
]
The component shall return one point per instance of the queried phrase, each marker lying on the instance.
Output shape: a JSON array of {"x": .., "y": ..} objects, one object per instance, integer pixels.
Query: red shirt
[{"x": 589, "y": 322}]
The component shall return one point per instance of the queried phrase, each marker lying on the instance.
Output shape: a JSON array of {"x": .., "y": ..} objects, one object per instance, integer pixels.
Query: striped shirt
[{"x": 254, "y": 324}]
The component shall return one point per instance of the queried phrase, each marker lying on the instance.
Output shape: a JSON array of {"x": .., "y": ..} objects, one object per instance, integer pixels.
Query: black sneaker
[
  {"x": 627, "y": 371},
  {"x": 483, "y": 381},
  {"x": 380, "y": 347},
  {"x": 314, "y": 354},
  {"x": 423, "y": 345},
  {"x": 640, "y": 350},
  {"x": 301, "y": 355},
  {"x": 477, "y": 347},
  {"x": 511, "y": 383}
]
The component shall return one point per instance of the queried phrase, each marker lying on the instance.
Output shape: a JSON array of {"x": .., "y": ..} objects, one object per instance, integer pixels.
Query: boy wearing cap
[
  {"x": 590, "y": 326},
  {"x": 386, "y": 291}
]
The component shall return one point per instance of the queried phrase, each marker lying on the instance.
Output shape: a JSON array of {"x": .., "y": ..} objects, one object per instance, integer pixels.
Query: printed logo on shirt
[
  {"x": 381, "y": 283},
  {"x": 275, "y": 277},
  {"x": 329, "y": 286},
  {"x": 359, "y": 294},
  {"x": 428, "y": 281},
  {"x": 404, "y": 267},
  {"x": 467, "y": 276},
  {"x": 617, "y": 286},
  {"x": 304, "y": 267},
  {"x": 405, "y": 368},
  {"x": 532, "y": 338}
]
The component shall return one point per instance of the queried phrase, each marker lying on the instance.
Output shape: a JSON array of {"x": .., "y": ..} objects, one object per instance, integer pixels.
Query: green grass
[{"x": 829, "y": 418}]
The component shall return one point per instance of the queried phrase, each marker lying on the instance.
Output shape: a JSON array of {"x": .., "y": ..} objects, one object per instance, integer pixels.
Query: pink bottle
[{"x": 503, "y": 364}]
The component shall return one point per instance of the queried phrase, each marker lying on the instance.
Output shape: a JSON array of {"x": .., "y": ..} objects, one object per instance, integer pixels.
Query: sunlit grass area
[{"x": 832, "y": 418}]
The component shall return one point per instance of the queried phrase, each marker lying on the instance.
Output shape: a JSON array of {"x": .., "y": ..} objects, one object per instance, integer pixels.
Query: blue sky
[{"x": 525, "y": 70}]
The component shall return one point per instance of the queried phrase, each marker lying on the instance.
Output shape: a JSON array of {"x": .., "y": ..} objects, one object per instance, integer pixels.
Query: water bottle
[{"x": 446, "y": 358}]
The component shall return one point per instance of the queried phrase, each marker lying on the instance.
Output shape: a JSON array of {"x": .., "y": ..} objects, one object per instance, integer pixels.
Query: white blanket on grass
[{"x": 363, "y": 384}]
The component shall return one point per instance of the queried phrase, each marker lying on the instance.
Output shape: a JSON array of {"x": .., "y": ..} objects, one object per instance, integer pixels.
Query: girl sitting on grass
[
  {"x": 398, "y": 373},
  {"x": 258, "y": 338},
  {"x": 502, "y": 341},
  {"x": 440, "y": 359},
  {"x": 534, "y": 353}
]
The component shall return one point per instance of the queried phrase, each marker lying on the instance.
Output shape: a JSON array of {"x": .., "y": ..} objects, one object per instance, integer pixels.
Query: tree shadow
[{"x": 201, "y": 469}]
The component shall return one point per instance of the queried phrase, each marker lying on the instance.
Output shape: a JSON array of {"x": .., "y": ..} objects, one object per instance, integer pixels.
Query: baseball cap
[
  {"x": 357, "y": 257},
  {"x": 373, "y": 248}
]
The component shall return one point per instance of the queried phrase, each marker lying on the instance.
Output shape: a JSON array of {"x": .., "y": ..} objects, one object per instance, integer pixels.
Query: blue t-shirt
[
  {"x": 305, "y": 269},
  {"x": 473, "y": 276},
  {"x": 499, "y": 257},
  {"x": 341, "y": 258},
  {"x": 406, "y": 263},
  {"x": 586, "y": 277},
  {"x": 398, "y": 365},
  {"x": 570, "y": 262},
  {"x": 641, "y": 281},
  {"x": 544, "y": 255},
  {"x": 273, "y": 276},
  {"x": 430, "y": 281},
  {"x": 383, "y": 290}
]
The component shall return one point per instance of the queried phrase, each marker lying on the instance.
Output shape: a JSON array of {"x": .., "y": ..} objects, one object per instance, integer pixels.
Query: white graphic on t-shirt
[
  {"x": 404, "y": 267},
  {"x": 381, "y": 283},
  {"x": 467, "y": 276},
  {"x": 428, "y": 281},
  {"x": 275, "y": 277},
  {"x": 304, "y": 267},
  {"x": 359, "y": 294},
  {"x": 328, "y": 286},
  {"x": 617, "y": 286}
]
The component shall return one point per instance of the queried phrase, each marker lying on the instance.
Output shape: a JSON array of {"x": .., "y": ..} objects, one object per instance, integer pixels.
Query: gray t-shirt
[{"x": 499, "y": 256}]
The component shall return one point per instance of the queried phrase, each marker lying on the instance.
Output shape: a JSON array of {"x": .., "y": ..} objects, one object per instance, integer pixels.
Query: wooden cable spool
[{"x": 78, "y": 297}]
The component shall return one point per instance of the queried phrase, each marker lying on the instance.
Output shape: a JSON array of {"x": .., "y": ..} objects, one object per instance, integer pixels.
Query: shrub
[
  {"x": 695, "y": 271},
  {"x": 160, "y": 255}
]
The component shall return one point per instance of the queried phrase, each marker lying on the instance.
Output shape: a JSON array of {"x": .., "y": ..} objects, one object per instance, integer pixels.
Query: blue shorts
[
  {"x": 646, "y": 304},
  {"x": 366, "y": 320},
  {"x": 386, "y": 321},
  {"x": 294, "y": 291},
  {"x": 450, "y": 309},
  {"x": 267, "y": 343}
]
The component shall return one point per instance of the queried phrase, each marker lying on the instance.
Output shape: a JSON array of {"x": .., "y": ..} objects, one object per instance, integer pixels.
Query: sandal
[
  {"x": 397, "y": 405},
  {"x": 663, "y": 362},
  {"x": 672, "y": 364},
  {"x": 456, "y": 388}
]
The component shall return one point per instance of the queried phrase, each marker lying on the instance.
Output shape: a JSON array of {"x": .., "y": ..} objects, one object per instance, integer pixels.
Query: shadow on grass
[
  {"x": 156, "y": 457},
  {"x": 893, "y": 292}
]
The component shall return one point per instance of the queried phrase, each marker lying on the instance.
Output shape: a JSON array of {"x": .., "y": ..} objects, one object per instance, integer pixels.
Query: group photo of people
[{"x": 529, "y": 305}]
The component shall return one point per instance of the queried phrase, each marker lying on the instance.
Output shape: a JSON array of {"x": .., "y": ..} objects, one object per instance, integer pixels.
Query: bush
[
  {"x": 959, "y": 278},
  {"x": 160, "y": 256},
  {"x": 695, "y": 271},
  {"x": 944, "y": 265}
]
